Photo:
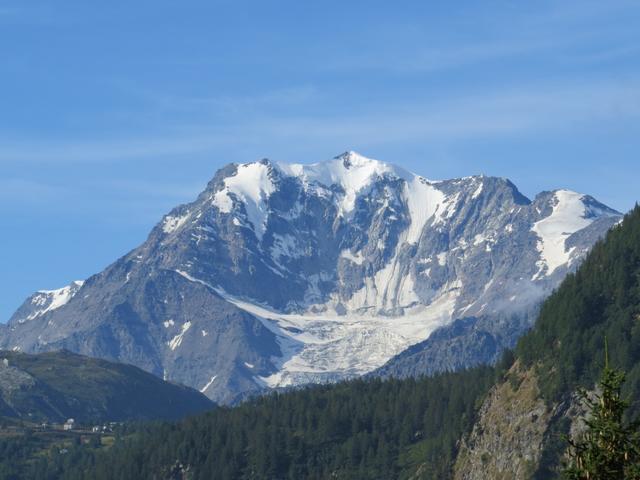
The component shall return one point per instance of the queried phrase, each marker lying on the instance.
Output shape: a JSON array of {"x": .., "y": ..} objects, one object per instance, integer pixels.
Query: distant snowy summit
[
  {"x": 44, "y": 301},
  {"x": 282, "y": 274}
]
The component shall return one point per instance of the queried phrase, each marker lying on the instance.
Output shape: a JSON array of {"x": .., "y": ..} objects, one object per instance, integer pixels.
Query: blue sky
[{"x": 113, "y": 112}]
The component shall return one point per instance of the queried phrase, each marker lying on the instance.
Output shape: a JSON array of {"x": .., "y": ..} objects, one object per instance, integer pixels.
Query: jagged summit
[
  {"x": 349, "y": 175},
  {"x": 281, "y": 274},
  {"x": 44, "y": 301},
  {"x": 350, "y": 170}
]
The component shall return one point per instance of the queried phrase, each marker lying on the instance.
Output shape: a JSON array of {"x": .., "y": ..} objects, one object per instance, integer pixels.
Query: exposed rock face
[
  {"x": 519, "y": 436},
  {"x": 508, "y": 438},
  {"x": 281, "y": 274}
]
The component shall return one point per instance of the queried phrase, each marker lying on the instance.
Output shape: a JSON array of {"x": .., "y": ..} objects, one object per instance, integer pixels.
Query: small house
[{"x": 69, "y": 424}]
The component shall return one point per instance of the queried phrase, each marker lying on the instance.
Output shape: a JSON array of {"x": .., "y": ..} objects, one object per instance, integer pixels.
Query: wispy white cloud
[
  {"x": 529, "y": 109},
  {"x": 513, "y": 32},
  {"x": 285, "y": 97},
  {"x": 152, "y": 190},
  {"x": 134, "y": 202},
  {"x": 606, "y": 54},
  {"x": 110, "y": 150},
  {"x": 221, "y": 104},
  {"x": 438, "y": 58},
  {"x": 27, "y": 191},
  {"x": 580, "y": 11},
  {"x": 212, "y": 123},
  {"x": 22, "y": 13}
]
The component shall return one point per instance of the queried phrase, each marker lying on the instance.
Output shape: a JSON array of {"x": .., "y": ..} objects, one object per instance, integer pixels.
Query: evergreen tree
[{"x": 610, "y": 448}]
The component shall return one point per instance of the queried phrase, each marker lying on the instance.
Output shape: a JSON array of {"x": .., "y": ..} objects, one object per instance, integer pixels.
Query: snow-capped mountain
[
  {"x": 283, "y": 274},
  {"x": 44, "y": 301}
]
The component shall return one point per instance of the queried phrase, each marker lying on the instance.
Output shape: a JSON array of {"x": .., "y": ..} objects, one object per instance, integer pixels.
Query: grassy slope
[{"x": 88, "y": 389}]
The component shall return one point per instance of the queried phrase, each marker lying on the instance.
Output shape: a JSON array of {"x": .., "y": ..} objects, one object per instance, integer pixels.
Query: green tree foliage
[
  {"x": 354, "y": 430},
  {"x": 13, "y": 451},
  {"x": 610, "y": 447}
]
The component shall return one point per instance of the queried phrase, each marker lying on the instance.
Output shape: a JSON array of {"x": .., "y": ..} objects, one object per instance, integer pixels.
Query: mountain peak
[
  {"x": 297, "y": 273},
  {"x": 351, "y": 158},
  {"x": 44, "y": 301}
]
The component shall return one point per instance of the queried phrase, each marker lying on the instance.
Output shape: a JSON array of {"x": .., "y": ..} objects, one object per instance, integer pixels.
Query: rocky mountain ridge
[{"x": 281, "y": 274}]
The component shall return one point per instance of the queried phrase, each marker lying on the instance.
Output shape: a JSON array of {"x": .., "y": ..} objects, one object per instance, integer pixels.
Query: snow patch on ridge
[
  {"x": 176, "y": 341},
  {"x": 478, "y": 190},
  {"x": 49, "y": 300},
  {"x": 192, "y": 279},
  {"x": 567, "y": 217},
  {"x": 209, "y": 383},
  {"x": 252, "y": 185},
  {"x": 351, "y": 171},
  {"x": 171, "y": 223},
  {"x": 423, "y": 201}
]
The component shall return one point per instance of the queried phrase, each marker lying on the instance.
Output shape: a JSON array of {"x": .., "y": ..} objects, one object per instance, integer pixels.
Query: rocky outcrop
[
  {"x": 518, "y": 435},
  {"x": 507, "y": 441}
]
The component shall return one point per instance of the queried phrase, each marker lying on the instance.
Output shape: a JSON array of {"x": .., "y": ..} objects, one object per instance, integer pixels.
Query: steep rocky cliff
[{"x": 507, "y": 441}]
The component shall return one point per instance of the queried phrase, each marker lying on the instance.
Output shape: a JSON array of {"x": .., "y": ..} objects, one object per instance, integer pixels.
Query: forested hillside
[{"x": 358, "y": 429}]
